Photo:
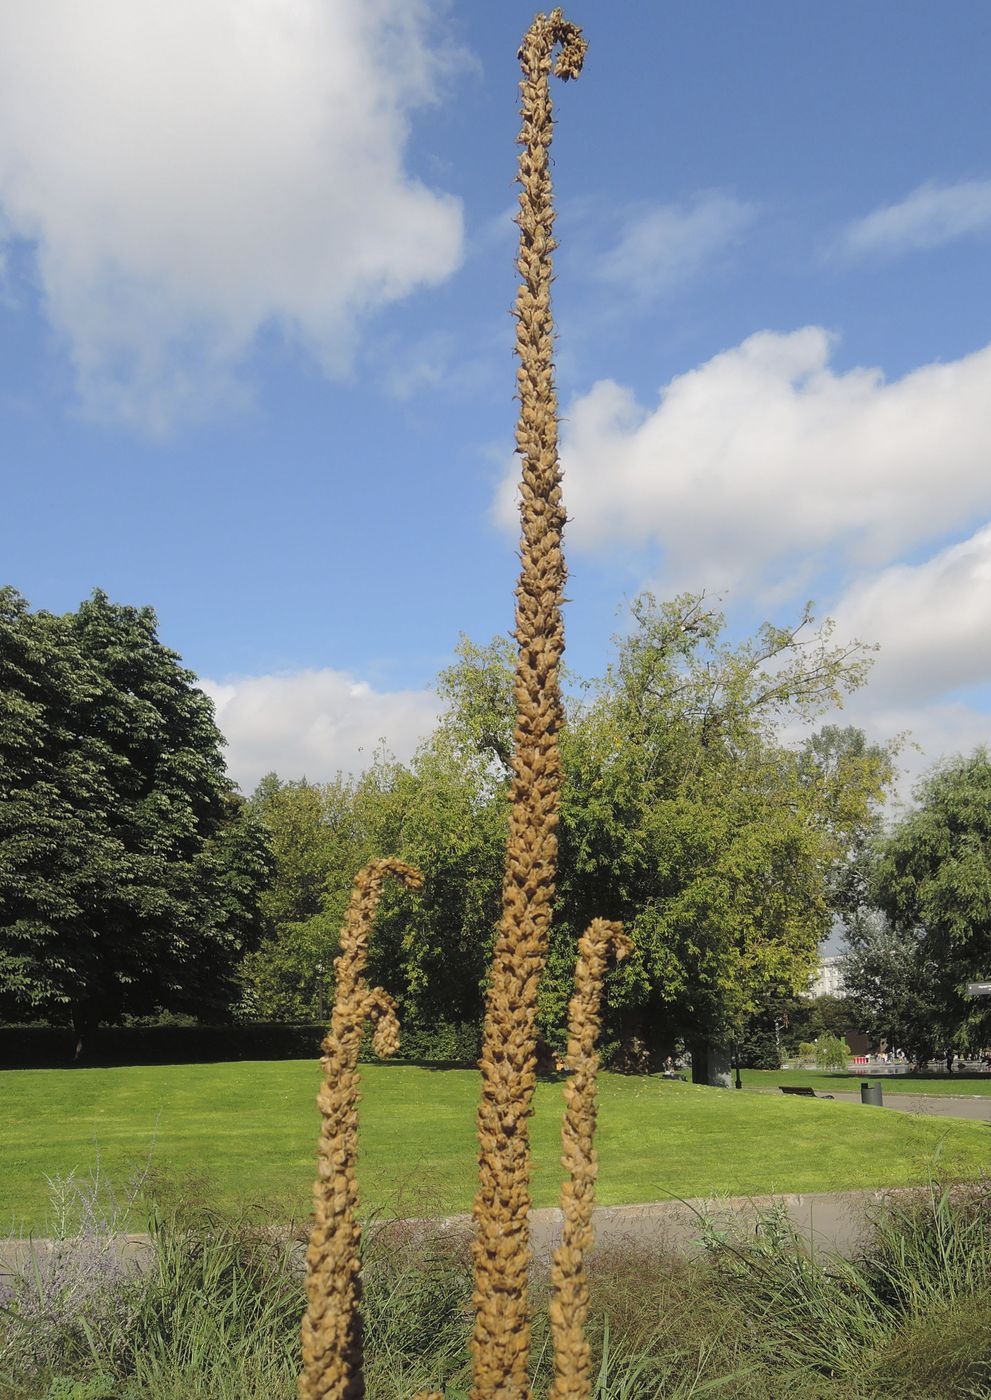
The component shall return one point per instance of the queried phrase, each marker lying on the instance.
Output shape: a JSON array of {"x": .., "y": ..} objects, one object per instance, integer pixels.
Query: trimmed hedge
[{"x": 46, "y": 1047}]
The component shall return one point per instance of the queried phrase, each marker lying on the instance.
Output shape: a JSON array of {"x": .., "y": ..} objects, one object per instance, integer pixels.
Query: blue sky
[{"x": 255, "y": 350}]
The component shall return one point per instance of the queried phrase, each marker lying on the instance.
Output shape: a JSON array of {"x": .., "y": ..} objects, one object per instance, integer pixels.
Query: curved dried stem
[
  {"x": 332, "y": 1342},
  {"x": 501, "y": 1340},
  {"x": 569, "y": 1303}
]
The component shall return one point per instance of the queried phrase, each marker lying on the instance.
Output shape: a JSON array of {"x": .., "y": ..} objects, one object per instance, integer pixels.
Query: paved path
[
  {"x": 938, "y": 1105},
  {"x": 836, "y": 1222}
]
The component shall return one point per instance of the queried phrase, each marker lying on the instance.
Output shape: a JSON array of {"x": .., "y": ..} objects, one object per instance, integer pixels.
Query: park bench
[{"x": 803, "y": 1091}]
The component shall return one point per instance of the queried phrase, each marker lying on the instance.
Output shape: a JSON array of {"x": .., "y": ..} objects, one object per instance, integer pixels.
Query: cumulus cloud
[
  {"x": 931, "y": 620},
  {"x": 662, "y": 245},
  {"x": 192, "y": 174},
  {"x": 930, "y": 215},
  {"x": 933, "y": 665},
  {"x": 766, "y": 461},
  {"x": 930, "y": 731},
  {"x": 315, "y": 723}
]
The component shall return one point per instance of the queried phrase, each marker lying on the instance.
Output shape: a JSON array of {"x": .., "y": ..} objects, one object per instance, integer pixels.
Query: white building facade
[{"x": 828, "y": 981}]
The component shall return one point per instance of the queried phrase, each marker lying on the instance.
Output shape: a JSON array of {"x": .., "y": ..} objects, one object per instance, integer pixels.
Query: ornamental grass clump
[{"x": 332, "y": 1341}]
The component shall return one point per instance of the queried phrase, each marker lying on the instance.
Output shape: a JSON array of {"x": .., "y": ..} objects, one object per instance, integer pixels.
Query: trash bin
[{"x": 871, "y": 1093}]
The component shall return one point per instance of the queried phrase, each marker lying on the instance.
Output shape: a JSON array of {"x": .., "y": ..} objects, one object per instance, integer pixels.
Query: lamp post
[
  {"x": 978, "y": 989},
  {"x": 320, "y": 1008}
]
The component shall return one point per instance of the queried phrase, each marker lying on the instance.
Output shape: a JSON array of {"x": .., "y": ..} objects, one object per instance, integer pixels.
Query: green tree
[
  {"x": 935, "y": 869},
  {"x": 783, "y": 1021},
  {"x": 479, "y": 710},
  {"x": 830, "y": 1052},
  {"x": 933, "y": 882},
  {"x": 287, "y": 976},
  {"x": 683, "y": 814},
  {"x": 444, "y": 812},
  {"x": 130, "y": 870},
  {"x": 686, "y": 817},
  {"x": 895, "y": 988}
]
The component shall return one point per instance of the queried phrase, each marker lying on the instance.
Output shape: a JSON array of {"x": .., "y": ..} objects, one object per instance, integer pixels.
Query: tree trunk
[
  {"x": 84, "y": 1023},
  {"x": 711, "y": 1063}
]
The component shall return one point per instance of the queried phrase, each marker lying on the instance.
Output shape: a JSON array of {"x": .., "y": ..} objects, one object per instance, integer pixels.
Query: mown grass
[
  {"x": 246, "y": 1132},
  {"x": 965, "y": 1085}
]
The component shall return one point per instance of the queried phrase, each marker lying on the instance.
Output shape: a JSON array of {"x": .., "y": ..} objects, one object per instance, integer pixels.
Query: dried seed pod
[
  {"x": 332, "y": 1344},
  {"x": 380, "y": 1008},
  {"x": 569, "y": 1303},
  {"x": 501, "y": 1339}
]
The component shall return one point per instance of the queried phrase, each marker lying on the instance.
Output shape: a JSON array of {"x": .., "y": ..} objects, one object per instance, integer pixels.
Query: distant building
[{"x": 828, "y": 981}]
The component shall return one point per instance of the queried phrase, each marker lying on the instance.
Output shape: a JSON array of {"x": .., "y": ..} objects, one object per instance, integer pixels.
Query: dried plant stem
[
  {"x": 569, "y": 1304},
  {"x": 500, "y": 1344},
  {"x": 332, "y": 1343}
]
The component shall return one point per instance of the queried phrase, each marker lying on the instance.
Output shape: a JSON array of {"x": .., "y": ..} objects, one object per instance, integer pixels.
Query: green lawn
[
  {"x": 977, "y": 1085},
  {"x": 247, "y": 1131}
]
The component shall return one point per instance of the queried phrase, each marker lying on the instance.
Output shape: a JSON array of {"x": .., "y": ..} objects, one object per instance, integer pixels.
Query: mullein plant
[
  {"x": 332, "y": 1341},
  {"x": 602, "y": 941},
  {"x": 501, "y": 1245}
]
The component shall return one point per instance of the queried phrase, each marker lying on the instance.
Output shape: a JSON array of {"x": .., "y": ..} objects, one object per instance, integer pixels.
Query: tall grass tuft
[{"x": 212, "y": 1312}]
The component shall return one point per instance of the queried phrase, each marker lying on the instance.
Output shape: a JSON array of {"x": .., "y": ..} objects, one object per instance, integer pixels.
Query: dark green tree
[
  {"x": 933, "y": 882},
  {"x": 130, "y": 870},
  {"x": 783, "y": 1021},
  {"x": 895, "y": 989}
]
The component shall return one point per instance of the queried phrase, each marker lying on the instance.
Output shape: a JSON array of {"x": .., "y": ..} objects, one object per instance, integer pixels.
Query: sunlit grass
[{"x": 246, "y": 1132}]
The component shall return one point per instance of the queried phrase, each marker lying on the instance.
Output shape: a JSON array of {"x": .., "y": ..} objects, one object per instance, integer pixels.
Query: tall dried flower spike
[
  {"x": 332, "y": 1344},
  {"x": 501, "y": 1340},
  {"x": 569, "y": 1303}
]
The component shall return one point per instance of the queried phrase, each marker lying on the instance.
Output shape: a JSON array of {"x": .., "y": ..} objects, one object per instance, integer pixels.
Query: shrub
[
  {"x": 42, "y": 1046},
  {"x": 830, "y": 1052}
]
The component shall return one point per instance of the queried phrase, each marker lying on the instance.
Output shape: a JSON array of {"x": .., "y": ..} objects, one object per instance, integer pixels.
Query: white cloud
[
  {"x": 929, "y": 732},
  {"x": 765, "y": 461},
  {"x": 939, "y": 731},
  {"x": 931, "y": 215},
  {"x": 196, "y": 172},
  {"x": 934, "y": 658},
  {"x": 931, "y": 620},
  {"x": 662, "y": 245},
  {"x": 315, "y": 723}
]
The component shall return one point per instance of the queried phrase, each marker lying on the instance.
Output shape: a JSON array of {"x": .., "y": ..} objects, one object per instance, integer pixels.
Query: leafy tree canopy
[
  {"x": 895, "y": 989},
  {"x": 445, "y": 813},
  {"x": 933, "y": 882},
  {"x": 683, "y": 814},
  {"x": 129, "y": 867},
  {"x": 687, "y": 817}
]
